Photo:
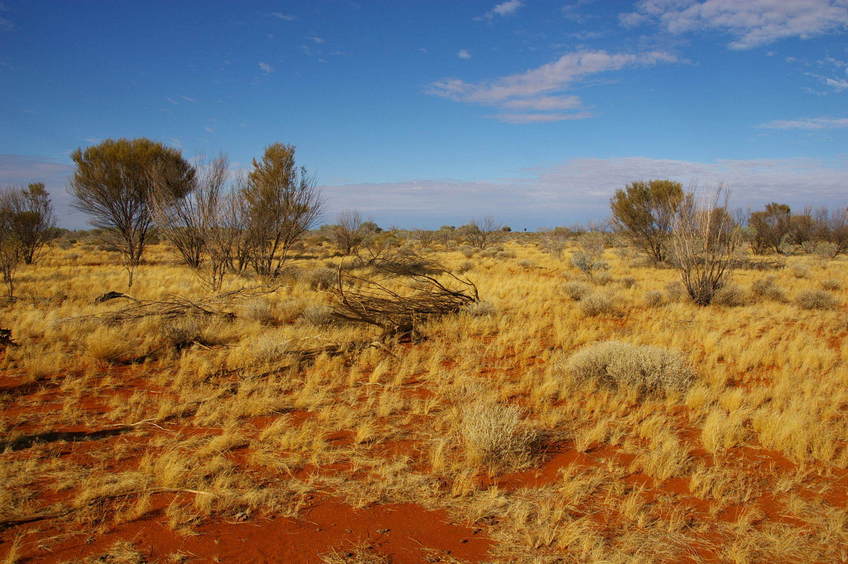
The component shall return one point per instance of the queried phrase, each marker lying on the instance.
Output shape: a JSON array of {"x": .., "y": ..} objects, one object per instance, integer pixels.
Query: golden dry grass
[{"x": 746, "y": 462}]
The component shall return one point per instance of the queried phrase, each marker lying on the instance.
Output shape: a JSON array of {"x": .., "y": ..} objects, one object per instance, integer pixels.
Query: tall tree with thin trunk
[
  {"x": 282, "y": 203},
  {"x": 114, "y": 182},
  {"x": 36, "y": 220}
]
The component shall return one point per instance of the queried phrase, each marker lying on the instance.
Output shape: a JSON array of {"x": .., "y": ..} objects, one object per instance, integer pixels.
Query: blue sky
[{"x": 431, "y": 113}]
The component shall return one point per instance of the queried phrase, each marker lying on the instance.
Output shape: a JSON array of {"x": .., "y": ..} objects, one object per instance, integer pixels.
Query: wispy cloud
[
  {"x": 503, "y": 9},
  {"x": 580, "y": 189},
  {"x": 283, "y": 16},
  {"x": 317, "y": 40},
  {"x": 752, "y": 22},
  {"x": 835, "y": 83},
  {"x": 463, "y": 54},
  {"x": 265, "y": 67},
  {"x": 541, "y": 88},
  {"x": 188, "y": 99},
  {"x": 539, "y": 118},
  {"x": 807, "y": 123}
]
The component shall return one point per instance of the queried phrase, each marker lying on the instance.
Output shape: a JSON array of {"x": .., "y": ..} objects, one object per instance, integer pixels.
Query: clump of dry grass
[
  {"x": 495, "y": 436},
  {"x": 653, "y": 298},
  {"x": 647, "y": 368},
  {"x": 831, "y": 284},
  {"x": 317, "y": 315},
  {"x": 816, "y": 299},
  {"x": 481, "y": 309},
  {"x": 767, "y": 288},
  {"x": 730, "y": 296},
  {"x": 598, "y": 303},
  {"x": 576, "y": 290}
]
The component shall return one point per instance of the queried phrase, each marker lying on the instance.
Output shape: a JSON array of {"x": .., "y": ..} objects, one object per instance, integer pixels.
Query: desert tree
[
  {"x": 113, "y": 183},
  {"x": 349, "y": 233},
  {"x": 831, "y": 227},
  {"x": 644, "y": 211},
  {"x": 481, "y": 233},
  {"x": 11, "y": 244},
  {"x": 703, "y": 244},
  {"x": 770, "y": 227},
  {"x": 282, "y": 202},
  {"x": 36, "y": 222}
]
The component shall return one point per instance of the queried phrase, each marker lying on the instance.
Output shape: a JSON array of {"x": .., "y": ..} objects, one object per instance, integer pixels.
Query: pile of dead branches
[
  {"x": 174, "y": 306},
  {"x": 400, "y": 294}
]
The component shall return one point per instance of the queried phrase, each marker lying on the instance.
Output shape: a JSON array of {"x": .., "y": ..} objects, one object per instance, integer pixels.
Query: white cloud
[
  {"x": 209, "y": 129},
  {"x": 317, "y": 40},
  {"x": 533, "y": 89},
  {"x": 539, "y": 118},
  {"x": 265, "y": 67},
  {"x": 580, "y": 190},
  {"x": 190, "y": 100},
  {"x": 463, "y": 54},
  {"x": 752, "y": 22},
  {"x": 503, "y": 9},
  {"x": 807, "y": 123},
  {"x": 283, "y": 16},
  {"x": 6, "y": 24},
  {"x": 835, "y": 83}
]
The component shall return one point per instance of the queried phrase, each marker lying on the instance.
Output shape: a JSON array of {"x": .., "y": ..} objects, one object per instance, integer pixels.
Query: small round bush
[
  {"x": 653, "y": 298},
  {"x": 612, "y": 363},
  {"x": 730, "y": 296},
  {"x": 320, "y": 278},
  {"x": 576, "y": 290},
  {"x": 526, "y": 263},
  {"x": 800, "y": 271},
  {"x": 597, "y": 304},
  {"x": 628, "y": 282},
  {"x": 767, "y": 289},
  {"x": 831, "y": 284},
  {"x": 816, "y": 299},
  {"x": 259, "y": 309}
]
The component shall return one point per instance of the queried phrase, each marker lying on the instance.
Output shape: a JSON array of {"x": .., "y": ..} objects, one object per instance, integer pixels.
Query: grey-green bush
[
  {"x": 597, "y": 304},
  {"x": 730, "y": 296},
  {"x": 816, "y": 299},
  {"x": 576, "y": 290},
  {"x": 766, "y": 288},
  {"x": 649, "y": 369}
]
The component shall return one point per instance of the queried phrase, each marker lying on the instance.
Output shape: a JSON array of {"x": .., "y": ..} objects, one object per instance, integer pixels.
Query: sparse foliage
[
  {"x": 281, "y": 203},
  {"x": 113, "y": 183},
  {"x": 645, "y": 212},
  {"x": 703, "y": 245}
]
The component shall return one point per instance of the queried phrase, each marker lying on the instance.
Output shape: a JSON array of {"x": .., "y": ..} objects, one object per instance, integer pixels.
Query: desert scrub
[
  {"x": 730, "y": 295},
  {"x": 653, "y": 298},
  {"x": 576, "y": 290},
  {"x": 597, "y": 304},
  {"x": 266, "y": 348},
  {"x": 647, "y": 368},
  {"x": 495, "y": 436},
  {"x": 816, "y": 299},
  {"x": 480, "y": 309},
  {"x": 317, "y": 315},
  {"x": 766, "y": 288},
  {"x": 320, "y": 278},
  {"x": 800, "y": 271},
  {"x": 675, "y": 291},
  {"x": 831, "y": 284},
  {"x": 260, "y": 310}
]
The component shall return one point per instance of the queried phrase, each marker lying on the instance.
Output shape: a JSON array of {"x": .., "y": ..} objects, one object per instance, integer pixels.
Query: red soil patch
[{"x": 404, "y": 532}]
